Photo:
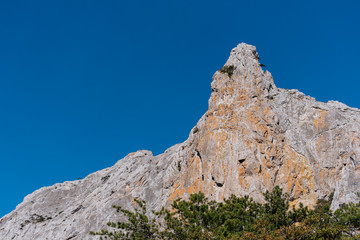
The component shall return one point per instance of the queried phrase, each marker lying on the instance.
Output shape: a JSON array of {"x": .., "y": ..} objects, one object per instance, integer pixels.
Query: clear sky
[{"x": 84, "y": 83}]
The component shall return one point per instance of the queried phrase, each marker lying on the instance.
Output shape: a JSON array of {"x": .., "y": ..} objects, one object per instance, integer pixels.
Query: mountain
[{"x": 253, "y": 137}]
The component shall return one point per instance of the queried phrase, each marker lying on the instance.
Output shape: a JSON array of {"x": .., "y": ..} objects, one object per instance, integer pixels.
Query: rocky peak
[
  {"x": 253, "y": 137},
  {"x": 243, "y": 57},
  {"x": 241, "y": 79}
]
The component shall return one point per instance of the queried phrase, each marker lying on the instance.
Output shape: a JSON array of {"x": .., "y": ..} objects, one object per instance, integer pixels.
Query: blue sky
[{"x": 84, "y": 83}]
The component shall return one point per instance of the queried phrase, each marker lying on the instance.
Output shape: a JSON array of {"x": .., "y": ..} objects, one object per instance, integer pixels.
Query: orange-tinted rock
[{"x": 253, "y": 137}]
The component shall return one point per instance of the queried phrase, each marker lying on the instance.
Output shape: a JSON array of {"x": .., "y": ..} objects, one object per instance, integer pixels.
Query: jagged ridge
[{"x": 253, "y": 136}]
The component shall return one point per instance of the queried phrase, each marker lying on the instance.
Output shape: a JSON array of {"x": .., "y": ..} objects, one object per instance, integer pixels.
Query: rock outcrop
[{"x": 253, "y": 136}]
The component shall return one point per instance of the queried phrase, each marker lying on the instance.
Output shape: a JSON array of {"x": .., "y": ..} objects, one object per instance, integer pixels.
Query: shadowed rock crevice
[
  {"x": 77, "y": 209},
  {"x": 218, "y": 184},
  {"x": 241, "y": 160}
]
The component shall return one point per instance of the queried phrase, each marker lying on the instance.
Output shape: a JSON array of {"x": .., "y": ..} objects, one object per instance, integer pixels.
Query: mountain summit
[{"x": 253, "y": 137}]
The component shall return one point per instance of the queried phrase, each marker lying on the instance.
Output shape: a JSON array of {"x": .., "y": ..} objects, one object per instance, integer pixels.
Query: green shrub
[
  {"x": 236, "y": 218},
  {"x": 228, "y": 69},
  {"x": 324, "y": 203}
]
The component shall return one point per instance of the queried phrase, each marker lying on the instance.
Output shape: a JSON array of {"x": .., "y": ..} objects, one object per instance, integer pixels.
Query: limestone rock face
[{"x": 253, "y": 137}]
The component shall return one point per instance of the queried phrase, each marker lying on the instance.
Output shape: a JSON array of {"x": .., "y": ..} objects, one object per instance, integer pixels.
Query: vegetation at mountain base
[
  {"x": 324, "y": 203},
  {"x": 237, "y": 218}
]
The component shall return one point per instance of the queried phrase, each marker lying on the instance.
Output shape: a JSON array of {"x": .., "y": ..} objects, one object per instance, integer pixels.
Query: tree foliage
[
  {"x": 137, "y": 226},
  {"x": 237, "y": 218}
]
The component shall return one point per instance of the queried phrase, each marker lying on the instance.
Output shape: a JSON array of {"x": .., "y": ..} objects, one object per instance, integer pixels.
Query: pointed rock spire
[
  {"x": 241, "y": 79},
  {"x": 244, "y": 58}
]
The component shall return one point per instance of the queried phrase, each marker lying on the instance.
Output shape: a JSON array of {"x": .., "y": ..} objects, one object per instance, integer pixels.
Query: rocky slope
[{"x": 253, "y": 136}]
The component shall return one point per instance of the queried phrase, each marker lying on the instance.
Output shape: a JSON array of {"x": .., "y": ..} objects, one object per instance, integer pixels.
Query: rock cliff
[{"x": 253, "y": 136}]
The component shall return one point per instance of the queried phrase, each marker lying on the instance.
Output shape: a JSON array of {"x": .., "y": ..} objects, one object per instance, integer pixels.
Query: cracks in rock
[
  {"x": 168, "y": 184},
  {"x": 179, "y": 166},
  {"x": 71, "y": 237},
  {"x": 277, "y": 160},
  {"x": 34, "y": 218},
  {"x": 196, "y": 129},
  {"x": 275, "y": 175},
  {"x": 352, "y": 159},
  {"x": 77, "y": 209},
  {"x": 331, "y": 167},
  {"x": 270, "y": 97},
  {"x": 218, "y": 184},
  {"x": 241, "y": 160},
  {"x": 330, "y": 129},
  {"x": 143, "y": 179},
  {"x": 197, "y": 153},
  {"x": 298, "y": 152},
  {"x": 266, "y": 133},
  {"x": 214, "y": 90},
  {"x": 104, "y": 179}
]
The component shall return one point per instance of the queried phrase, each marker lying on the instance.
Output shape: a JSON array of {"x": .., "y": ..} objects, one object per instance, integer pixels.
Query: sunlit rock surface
[{"x": 253, "y": 136}]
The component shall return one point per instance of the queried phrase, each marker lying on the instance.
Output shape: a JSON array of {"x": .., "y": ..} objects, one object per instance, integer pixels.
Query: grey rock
[{"x": 253, "y": 136}]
